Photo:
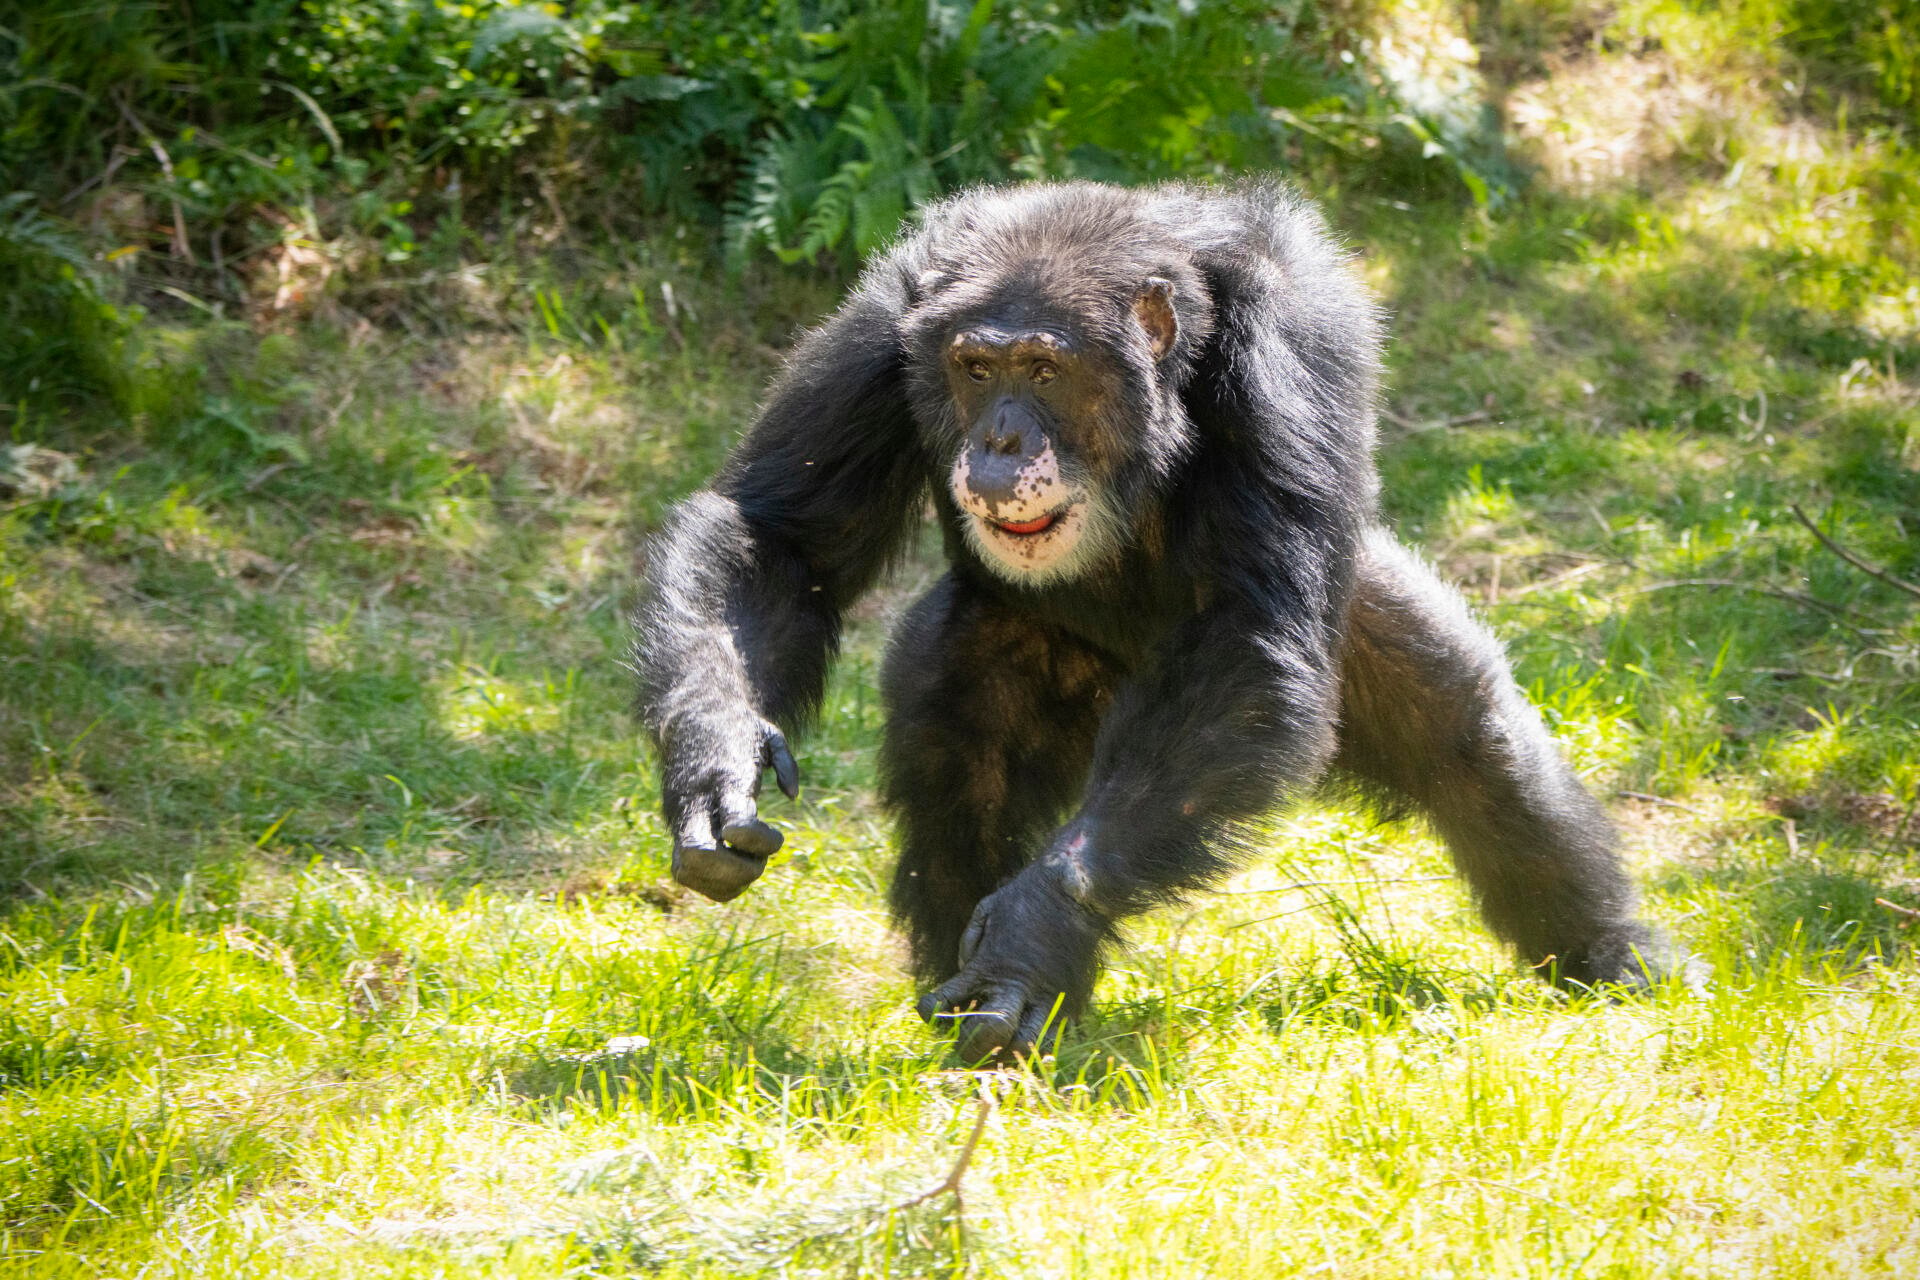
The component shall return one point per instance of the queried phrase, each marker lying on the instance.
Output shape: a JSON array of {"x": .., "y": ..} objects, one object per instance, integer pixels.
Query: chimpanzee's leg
[
  {"x": 991, "y": 720},
  {"x": 1430, "y": 712}
]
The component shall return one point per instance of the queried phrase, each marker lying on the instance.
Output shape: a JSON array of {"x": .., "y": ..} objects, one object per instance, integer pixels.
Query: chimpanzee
[{"x": 1145, "y": 419}]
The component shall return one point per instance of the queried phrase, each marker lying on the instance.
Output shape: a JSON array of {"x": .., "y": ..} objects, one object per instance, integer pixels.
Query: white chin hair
[{"x": 1058, "y": 551}]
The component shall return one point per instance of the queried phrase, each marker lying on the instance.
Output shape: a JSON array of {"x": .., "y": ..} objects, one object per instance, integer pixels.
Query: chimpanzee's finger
[
  {"x": 754, "y": 837},
  {"x": 955, "y": 993},
  {"x": 1039, "y": 1028},
  {"x": 785, "y": 771},
  {"x": 930, "y": 1006},
  {"x": 693, "y": 824},
  {"x": 983, "y": 1015},
  {"x": 741, "y": 828},
  {"x": 988, "y": 1030},
  {"x": 703, "y": 865},
  {"x": 719, "y": 874}
]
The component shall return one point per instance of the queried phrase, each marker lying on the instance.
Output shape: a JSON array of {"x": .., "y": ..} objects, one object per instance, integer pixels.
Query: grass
[{"x": 339, "y": 940}]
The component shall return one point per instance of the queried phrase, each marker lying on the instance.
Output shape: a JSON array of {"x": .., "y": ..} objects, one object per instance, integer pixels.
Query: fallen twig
[
  {"x": 1839, "y": 612},
  {"x": 1413, "y": 428},
  {"x": 1795, "y": 673},
  {"x": 1294, "y": 886},
  {"x": 1563, "y": 578},
  {"x": 1897, "y": 909},
  {"x": 951, "y": 1183},
  {"x": 1846, "y": 673},
  {"x": 1663, "y": 801},
  {"x": 1871, "y": 570}
]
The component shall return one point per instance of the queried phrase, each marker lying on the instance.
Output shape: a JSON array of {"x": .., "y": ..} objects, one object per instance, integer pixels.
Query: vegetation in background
[
  {"x": 814, "y": 126},
  {"x": 337, "y": 939}
]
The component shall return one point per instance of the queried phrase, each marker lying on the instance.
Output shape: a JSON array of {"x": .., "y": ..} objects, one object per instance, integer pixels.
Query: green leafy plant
[
  {"x": 807, "y": 130},
  {"x": 909, "y": 99}
]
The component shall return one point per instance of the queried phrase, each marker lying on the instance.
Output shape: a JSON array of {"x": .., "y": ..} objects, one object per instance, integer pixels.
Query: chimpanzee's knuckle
[{"x": 984, "y": 1032}]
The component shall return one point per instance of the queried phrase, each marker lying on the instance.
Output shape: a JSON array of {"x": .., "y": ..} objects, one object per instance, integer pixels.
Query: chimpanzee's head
[{"x": 1053, "y": 379}]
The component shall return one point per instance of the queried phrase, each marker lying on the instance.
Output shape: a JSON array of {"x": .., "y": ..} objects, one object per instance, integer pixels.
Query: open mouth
[{"x": 1027, "y": 528}]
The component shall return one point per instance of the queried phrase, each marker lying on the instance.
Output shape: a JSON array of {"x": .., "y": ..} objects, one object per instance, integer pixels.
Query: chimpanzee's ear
[{"x": 1153, "y": 308}]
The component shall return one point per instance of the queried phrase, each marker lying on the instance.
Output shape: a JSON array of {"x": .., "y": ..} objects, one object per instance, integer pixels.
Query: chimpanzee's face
[
  {"x": 1020, "y": 477},
  {"x": 1055, "y": 413}
]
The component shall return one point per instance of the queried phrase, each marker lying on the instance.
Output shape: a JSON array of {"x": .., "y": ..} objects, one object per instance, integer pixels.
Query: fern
[{"x": 832, "y": 212}]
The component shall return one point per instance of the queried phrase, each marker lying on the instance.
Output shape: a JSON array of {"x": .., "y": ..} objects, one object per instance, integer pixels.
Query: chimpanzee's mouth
[
  {"x": 1027, "y": 528},
  {"x": 1037, "y": 550}
]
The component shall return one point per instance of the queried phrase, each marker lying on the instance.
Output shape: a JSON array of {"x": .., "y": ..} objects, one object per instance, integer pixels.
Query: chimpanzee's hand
[
  {"x": 1027, "y": 964},
  {"x": 709, "y": 778}
]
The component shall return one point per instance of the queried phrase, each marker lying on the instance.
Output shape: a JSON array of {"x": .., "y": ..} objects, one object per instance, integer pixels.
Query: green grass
[{"x": 339, "y": 941}]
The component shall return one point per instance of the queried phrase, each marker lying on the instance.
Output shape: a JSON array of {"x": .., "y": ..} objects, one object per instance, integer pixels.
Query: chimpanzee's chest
[{"x": 1126, "y": 611}]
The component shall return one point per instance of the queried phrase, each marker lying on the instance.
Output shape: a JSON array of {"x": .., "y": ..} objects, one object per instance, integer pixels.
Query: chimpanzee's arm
[
  {"x": 1235, "y": 713},
  {"x": 1238, "y": 710},
  {"x": 1236, "y": 716},
  {"x": 746, "y": 587}
]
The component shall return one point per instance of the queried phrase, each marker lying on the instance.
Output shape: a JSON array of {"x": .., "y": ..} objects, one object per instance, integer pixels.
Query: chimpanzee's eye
[
  {"x": 977, "y": 370},
  {"x": 1044, "y": 371}
]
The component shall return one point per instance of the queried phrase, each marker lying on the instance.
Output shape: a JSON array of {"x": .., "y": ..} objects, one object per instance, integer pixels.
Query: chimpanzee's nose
[
  {"x": 1009, "y": 428},
  {"x": 994, "y": 473},
  {"x": 1006, "y": 438}
]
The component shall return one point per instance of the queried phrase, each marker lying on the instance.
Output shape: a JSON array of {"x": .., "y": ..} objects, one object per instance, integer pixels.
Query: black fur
[{"x": 1064, "y": 751}]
